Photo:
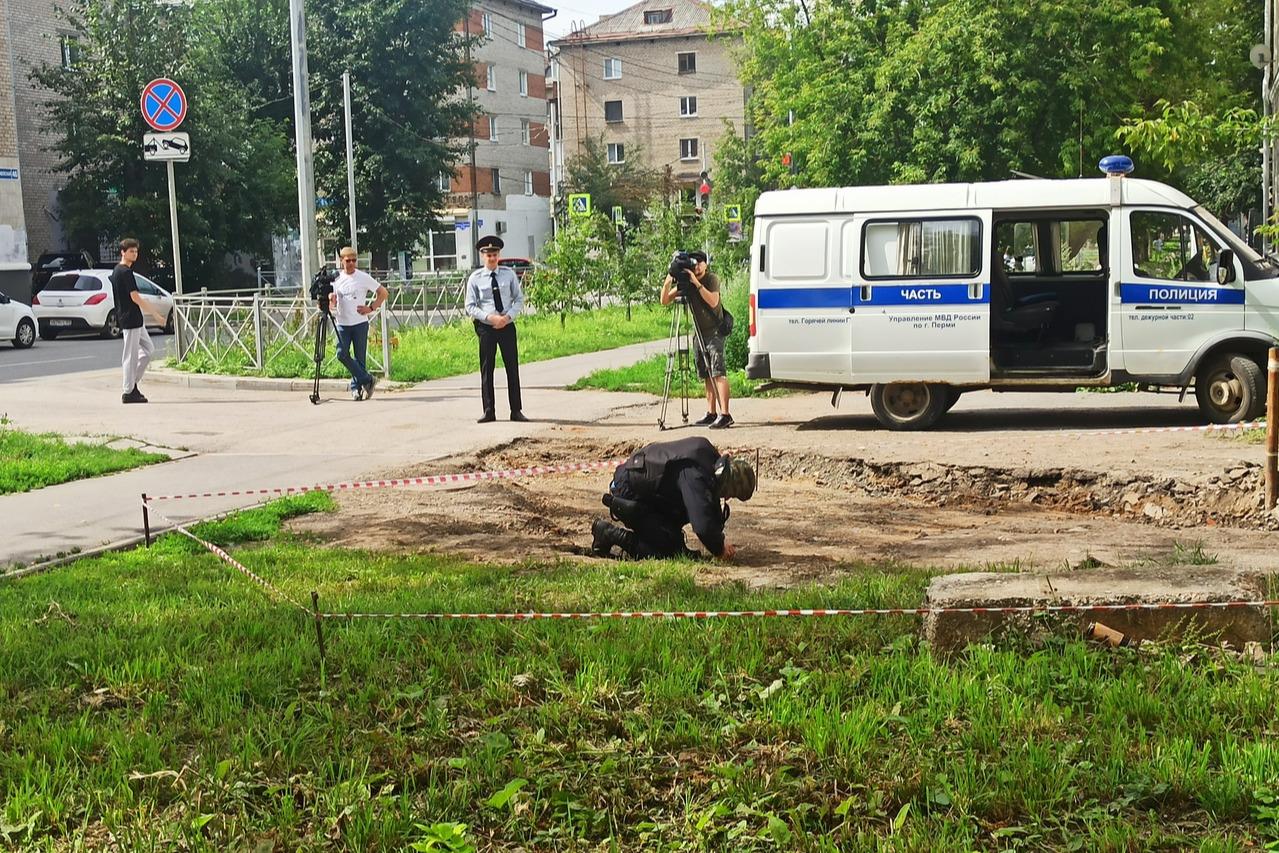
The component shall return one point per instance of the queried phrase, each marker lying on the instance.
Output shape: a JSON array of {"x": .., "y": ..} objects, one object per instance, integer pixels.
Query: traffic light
[{"x": 704, "y": 192}]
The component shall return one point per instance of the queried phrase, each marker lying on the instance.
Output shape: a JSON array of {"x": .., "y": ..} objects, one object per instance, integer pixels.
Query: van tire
[
  {"x": 952, "y": 398},
  {"x": 1230, "y": 388},
  {"x": 909, "y": 405}
]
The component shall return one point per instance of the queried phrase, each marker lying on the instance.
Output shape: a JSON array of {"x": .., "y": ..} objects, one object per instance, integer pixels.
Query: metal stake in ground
[
  {"x": 319, "y": 623},
  {"x": 1272, "y": 428},
  {"x": 146, "y": 520}
]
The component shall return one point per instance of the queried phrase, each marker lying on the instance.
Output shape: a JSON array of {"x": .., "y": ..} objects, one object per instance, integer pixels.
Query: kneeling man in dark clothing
[{"x": 664, "y": 486}]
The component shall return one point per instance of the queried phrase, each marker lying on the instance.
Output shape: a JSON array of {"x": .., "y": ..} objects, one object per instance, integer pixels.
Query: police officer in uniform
[
  {"x": 664, "y": 486},
  {"x": 494, "y": 299}
]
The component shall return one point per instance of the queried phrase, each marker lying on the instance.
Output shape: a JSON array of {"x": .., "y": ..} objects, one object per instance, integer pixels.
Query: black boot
[{"x": 604, "y": 536}]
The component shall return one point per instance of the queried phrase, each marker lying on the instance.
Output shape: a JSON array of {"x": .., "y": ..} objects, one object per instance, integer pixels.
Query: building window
[
  {"x": 687, "y": 63},
  {"x": 490, "y": 80},
  {"x": 441, "y": 250},
  {"x": 612, "y": 111},
  {"x": 657, "y": 16},
  {"x": 497, "y": 181},
  {"x": 688, "y": 106},
  {"x": 688, "y": 149},
  {"x": 521, "y": 35},
  {"x": 525, "y": 132},
  {"x": 492, "y": 128},
  {"x": 488, "y": 24},
  {"x": 528, "y": 183},
  {"x": 524, "y": 84},
  {"x": 616, "y": 152},
  {"x": 612, "y": 69},
  {"x": 442, "y": 181},
  {"x": 70, "y": 51}
]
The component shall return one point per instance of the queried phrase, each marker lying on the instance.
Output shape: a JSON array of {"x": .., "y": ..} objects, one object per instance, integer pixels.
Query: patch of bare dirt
[{"x": 815, "y": 515}]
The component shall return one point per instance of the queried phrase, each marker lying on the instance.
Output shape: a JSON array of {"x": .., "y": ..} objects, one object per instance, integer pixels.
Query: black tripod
[
  {"x": 321, "y": 344},
  {"x": 679, "y": 367}
]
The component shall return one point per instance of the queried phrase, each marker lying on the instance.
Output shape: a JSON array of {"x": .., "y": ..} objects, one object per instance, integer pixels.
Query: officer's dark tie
[{"x": 497, "y": 294}]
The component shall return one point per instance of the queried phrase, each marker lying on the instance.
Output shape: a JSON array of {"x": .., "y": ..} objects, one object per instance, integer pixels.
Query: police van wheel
[
  {"x": 1230, "y": 388},
  {"x": 909, "y": 405},
  {"x": 952, "y": 397}
]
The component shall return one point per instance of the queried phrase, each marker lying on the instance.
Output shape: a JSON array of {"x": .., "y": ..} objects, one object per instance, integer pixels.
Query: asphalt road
[{"x": 70, "y": 354}]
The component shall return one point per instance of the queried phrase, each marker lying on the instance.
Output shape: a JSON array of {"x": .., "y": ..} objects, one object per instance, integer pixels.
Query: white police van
[{"x": 918, "y": 293}]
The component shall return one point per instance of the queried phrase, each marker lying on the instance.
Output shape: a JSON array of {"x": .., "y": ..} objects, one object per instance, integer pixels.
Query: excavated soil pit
[{"x": 815, "y": 516}]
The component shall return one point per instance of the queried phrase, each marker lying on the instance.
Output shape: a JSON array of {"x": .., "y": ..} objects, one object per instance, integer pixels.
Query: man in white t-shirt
[{"x": 351, "y": 311}]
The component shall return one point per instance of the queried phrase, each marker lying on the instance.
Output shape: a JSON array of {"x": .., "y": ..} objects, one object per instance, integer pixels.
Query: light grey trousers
[{"x": 137, "y": 355}]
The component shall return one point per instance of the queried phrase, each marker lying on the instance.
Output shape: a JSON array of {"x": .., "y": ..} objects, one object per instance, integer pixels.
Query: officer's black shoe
[{"x": 604, "y": 536}]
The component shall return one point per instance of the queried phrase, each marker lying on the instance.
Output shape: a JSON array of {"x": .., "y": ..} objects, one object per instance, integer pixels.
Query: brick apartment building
[
  {"x": 648, "y": 80},
  {"x": 31, "y": 34},
  {"x": 508, "y": 188}
]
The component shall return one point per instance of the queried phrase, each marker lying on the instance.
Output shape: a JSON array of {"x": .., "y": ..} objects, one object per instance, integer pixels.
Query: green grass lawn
[
  {"x": 439, "y": 351},
  {"x": 649, "y": 375},
  {"x": 154, "y": 699},
  {"x": 31, "y": 461}
]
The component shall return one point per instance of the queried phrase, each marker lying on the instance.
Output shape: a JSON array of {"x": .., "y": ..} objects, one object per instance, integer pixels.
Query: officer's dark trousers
[
  {"x": 490, "y": 341},
  {"x": 657, "y": 535}
]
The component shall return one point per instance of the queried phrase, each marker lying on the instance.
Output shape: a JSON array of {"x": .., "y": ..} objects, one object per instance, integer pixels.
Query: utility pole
[
  {"x": 306, "y": 165},
  {"x": 350, "y": 157},
  {"x": 472, "y": 227}
]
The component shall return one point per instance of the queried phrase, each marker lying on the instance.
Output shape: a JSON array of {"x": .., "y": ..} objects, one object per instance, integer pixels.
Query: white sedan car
[
  {"x": 83, "y": 301},
  {"x": 17, "y": 323}
]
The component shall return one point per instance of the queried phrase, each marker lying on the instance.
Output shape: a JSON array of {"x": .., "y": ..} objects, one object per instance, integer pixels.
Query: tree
[
  {"x": 580, "y": 261},
  {"x": 232, "y": 195},
  {"x": 957, "y": 90},
  {"x": 408, "y": 72},
  {"x": 627, "y": 184}
]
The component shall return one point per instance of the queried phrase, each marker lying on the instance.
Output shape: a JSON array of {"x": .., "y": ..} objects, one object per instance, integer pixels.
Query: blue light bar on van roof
[{"x": 1116, "y": 164}]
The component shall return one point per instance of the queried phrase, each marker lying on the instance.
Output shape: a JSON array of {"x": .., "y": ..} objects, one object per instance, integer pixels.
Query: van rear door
[
  {"x": 921, "y": 296},
  {"x": 801, "y": 301}
]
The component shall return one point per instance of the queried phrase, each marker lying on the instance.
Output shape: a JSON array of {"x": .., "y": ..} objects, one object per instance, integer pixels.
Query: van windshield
[{"x": 1242, "y": 249}]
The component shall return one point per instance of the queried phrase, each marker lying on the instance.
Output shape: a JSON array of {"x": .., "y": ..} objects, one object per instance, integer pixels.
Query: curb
[{"x": 169, "y": 376}]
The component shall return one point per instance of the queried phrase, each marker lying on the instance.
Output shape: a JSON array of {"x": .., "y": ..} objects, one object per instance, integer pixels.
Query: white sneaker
[{"x": 357, "y": 394}]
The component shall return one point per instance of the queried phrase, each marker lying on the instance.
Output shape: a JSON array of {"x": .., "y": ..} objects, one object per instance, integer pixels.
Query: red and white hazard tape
[
  {"x": 434, "y": 480},
  {"x": 1257, "y": 424},
  {"x": 271, "y": 588},
  {"x": 753, "y": 614}
]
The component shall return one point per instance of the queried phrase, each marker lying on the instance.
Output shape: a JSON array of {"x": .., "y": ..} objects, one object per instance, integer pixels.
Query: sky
[{"x": 581, "y": 12}]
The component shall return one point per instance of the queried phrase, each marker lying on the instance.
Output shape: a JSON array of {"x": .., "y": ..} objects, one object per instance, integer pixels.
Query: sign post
[{"x": 164, "y": 107}]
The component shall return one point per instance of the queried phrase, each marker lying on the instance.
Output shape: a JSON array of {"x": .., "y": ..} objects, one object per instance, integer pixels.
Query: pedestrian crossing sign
[
  {"x": 733, "y": 213},
  {"x": 579, "y": 204}
]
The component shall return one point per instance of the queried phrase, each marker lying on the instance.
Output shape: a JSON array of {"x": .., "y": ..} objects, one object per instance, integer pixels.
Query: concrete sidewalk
[{"x": 244, "y": 439}]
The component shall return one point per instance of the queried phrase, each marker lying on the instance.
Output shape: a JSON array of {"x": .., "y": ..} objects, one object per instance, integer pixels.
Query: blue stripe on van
[
  {"x": 804, "y": 297},
  {"x": 1177, "y": 293},
  {"x": 922, "y": 294},
  {"x": 880, "y": 294}
]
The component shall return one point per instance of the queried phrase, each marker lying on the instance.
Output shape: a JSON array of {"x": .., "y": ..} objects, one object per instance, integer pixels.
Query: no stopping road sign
[{"x": 164, "y": 104}]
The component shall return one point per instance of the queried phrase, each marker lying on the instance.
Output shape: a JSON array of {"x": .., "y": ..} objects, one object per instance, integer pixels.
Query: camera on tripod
[
  {"x": 322, "y": 287},
  {"x": 682, "y": 263}
]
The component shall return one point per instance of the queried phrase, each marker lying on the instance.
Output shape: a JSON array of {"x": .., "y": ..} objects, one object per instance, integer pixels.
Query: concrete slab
[{"x": 950, "y": 632}]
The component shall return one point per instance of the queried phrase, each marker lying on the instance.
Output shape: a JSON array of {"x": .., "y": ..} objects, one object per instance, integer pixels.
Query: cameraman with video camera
[
  {"x": 689, "y": 279},
  {"x": 349, "y": 304}
]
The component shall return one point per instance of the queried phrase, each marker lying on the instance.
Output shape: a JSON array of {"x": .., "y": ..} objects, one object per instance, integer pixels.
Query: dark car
[
  {"x": 520, "y": 265},
  {"x": 51, "y": 263}
]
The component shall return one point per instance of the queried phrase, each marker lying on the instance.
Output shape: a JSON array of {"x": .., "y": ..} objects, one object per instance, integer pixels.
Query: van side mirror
[{"x": 1226, "y": 266}]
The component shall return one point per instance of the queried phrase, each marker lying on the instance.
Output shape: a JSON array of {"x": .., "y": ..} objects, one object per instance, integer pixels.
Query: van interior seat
[{"x": 1033, "y": 313}]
